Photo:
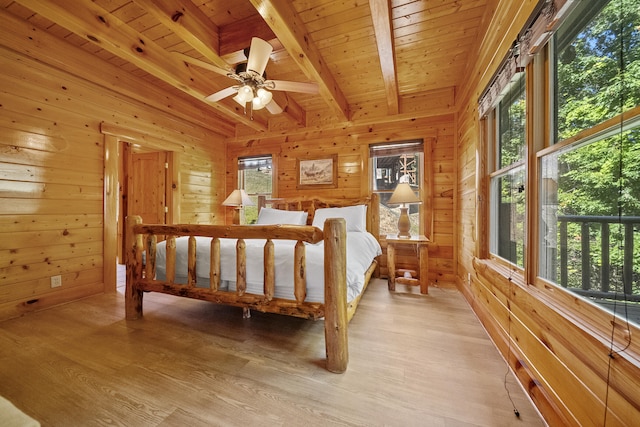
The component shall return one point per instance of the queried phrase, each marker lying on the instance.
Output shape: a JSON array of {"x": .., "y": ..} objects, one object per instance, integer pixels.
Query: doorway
[{"x": 144, "y": 187}]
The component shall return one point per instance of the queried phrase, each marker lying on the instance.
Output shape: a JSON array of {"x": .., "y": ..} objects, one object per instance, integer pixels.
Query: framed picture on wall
[{"x": 317, "y": 173}]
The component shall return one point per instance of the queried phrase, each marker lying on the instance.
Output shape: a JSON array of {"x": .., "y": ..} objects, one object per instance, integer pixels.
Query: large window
[
  {"x": 393, "y": 163},
  {"x": 507, "y": 193},
  {"x": 590, "y": 184},
  {"x": 255, "y": 176}
]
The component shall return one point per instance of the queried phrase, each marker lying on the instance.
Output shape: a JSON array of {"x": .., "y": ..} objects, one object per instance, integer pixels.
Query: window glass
[
  {"x": 511, "y": 124},
  {"x": 508, "y": 216},
  {"x": 593, "y": 45},
  {"x": 392, "y": 164},
  {"x": 256, "y": 178},
  {"x": 589, "y": 210},
  {"x": 507, "y": 225},
  {"x": 590, "y": 217}
]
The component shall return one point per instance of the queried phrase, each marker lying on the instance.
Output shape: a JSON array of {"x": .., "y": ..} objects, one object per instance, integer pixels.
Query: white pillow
[
  {"x": 270, "y": 216},
  {"x": 355, "y": 216}
]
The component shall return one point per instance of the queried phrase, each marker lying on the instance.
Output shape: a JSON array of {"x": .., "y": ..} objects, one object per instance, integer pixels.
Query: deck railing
[{"x": 603, "y": 274}]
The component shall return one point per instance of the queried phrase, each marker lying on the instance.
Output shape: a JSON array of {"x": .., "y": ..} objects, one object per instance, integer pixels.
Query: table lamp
[
  {"x": 403, "y": 195},
  {"x": 237, "y": 198}
]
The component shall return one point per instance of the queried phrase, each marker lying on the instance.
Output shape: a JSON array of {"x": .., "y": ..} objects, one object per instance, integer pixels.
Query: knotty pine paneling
[
  {"x": 352, "y": 147},
  {"x": 555, "y": 343},
  {"x": 52, "y": 170}
]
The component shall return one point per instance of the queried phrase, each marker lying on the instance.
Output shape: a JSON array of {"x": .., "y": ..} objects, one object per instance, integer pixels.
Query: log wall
[
  {"x": 54, "y": 106},
  {"x": 556, "y": 344}
]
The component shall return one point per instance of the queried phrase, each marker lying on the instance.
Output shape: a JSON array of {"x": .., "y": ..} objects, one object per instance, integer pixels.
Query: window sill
[{"x": 495, "y": 269}]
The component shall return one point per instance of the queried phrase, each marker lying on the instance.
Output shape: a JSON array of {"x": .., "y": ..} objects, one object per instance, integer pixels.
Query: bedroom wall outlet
[{"x": 56, "y": 281}]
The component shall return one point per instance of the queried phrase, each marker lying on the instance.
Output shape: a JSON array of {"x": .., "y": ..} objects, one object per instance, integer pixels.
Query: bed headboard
[{"x": 310, "y": 206}]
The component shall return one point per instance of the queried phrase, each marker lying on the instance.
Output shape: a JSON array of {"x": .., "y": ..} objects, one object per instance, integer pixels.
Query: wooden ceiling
[{"x": 373, "y": 60}]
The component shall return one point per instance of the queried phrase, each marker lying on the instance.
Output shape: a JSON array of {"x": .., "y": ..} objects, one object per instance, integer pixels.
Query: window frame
[
  {"x": 494, "y": 171},
  {"x": 398, "y": 148},
  {"x": 241, "y": 179}
]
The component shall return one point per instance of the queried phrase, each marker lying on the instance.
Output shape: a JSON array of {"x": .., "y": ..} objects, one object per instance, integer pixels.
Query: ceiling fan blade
[
  {"x": 202, "y": 64},
  {"x": 221, "y": 94},
  {"x": 294, "y": 86},
  {"x": 274, "y": 108},
  {"x": 258, "y": 55}
]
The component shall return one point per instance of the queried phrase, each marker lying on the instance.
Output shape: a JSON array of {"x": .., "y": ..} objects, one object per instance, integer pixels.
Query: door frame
[{"x": 114, "y": 139}]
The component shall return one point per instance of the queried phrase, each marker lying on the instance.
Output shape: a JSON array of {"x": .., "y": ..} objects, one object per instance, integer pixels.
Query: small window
[
  {"x": 392, "y": 163},
  {"x": 255, "y": 176}
]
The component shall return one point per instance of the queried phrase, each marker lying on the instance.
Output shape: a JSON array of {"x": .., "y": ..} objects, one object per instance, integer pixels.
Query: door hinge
[
  {"x": 166, "y": 209},
  {"x": 166, "y": 165}
]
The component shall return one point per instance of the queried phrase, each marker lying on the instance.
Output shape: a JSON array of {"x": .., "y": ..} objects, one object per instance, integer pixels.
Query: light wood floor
[{"x": 415, "y": 360}]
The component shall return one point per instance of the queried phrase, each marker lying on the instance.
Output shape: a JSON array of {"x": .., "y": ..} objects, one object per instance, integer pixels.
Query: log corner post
[
  {"x": 133, "y": 262},
  {"x": 335, "y": 294}
]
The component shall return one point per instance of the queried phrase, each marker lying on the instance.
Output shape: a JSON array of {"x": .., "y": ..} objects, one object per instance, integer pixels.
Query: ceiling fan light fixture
[
  {"x": 252, "y": 83},
  {"x": 257, "y": 104},
  {"x": 264, "y": 95},
  {"x": 245, "y": 94}
]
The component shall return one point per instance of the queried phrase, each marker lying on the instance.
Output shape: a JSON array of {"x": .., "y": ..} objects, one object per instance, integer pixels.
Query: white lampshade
[
  {"x": 245, "y": 94},
  {"x": 264, "y": 95},
  {"x": 403, "y": 194},
  {"x": 238, "y": 198},
  {"x": 257, "y": 103}
]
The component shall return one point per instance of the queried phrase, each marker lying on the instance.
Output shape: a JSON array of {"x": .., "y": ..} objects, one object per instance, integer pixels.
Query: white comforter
[{"x": 362, "y": 248}]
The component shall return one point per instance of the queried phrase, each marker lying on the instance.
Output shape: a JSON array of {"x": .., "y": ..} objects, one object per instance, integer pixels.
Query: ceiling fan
[{"x": 253, "y": 88}]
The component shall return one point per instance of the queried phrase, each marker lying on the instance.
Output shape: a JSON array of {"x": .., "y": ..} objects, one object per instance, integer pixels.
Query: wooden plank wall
[
  {"x": 52, "y": 166},
  {"x": 352, "y": 148},
  {"x": 560, "y": 358}
]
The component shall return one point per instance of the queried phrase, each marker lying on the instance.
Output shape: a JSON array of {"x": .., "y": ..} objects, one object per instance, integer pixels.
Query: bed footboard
[{"x": 142, "y": 278}]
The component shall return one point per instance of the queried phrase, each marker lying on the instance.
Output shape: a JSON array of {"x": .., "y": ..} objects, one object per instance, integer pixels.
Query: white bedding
[{"x": 362, "y": 248}]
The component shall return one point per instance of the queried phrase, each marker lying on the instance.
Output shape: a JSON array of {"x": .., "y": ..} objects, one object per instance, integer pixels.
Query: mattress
[{"x": 362, "y": 248}]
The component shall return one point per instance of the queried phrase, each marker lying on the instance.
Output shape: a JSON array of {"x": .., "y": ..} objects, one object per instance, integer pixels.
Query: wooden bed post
[
  {"x": 335, "y": 294},
  {"x": 133, "y": 261}
]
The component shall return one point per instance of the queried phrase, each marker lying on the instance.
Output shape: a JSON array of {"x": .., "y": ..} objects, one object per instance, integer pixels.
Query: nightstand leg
[
  {"x": 391, "y": 266},
  {"x": 424, "y": 268}
]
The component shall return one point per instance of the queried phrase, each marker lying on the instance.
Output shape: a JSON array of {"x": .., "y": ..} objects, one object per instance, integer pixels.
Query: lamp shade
[
  {"x": 257, "y": 103},
  {"x": 238, "y": 198},
  {"x": 245, "y": 94},
  {"x": 264, "y": 95},
  {"x": 403, "y": 194}
]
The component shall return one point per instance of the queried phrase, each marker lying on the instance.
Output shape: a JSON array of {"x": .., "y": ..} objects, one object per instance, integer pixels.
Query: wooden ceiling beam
[
  {"x": 93, "y": 23},
  {"x": 292, "y": 108},
  {"x": 290, "y": 30},
  {"x": 189, "y": 23},
  {"x": 383, "y": 29}
]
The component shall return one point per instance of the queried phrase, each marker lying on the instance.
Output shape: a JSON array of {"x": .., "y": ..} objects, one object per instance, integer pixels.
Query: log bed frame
[{"x": 335, "y": 310}]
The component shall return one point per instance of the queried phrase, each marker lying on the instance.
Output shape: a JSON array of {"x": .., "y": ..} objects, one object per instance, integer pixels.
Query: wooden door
[{"x": 146, "y": 187}]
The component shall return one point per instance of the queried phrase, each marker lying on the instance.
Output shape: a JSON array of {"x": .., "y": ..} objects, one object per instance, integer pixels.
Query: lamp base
[
  {"x": 236, "y": 216},
  {"x": 404, "y": 224}
]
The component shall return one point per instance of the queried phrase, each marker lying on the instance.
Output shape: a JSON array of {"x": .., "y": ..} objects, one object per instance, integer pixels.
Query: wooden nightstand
[{"x": 397, "y": 276}]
